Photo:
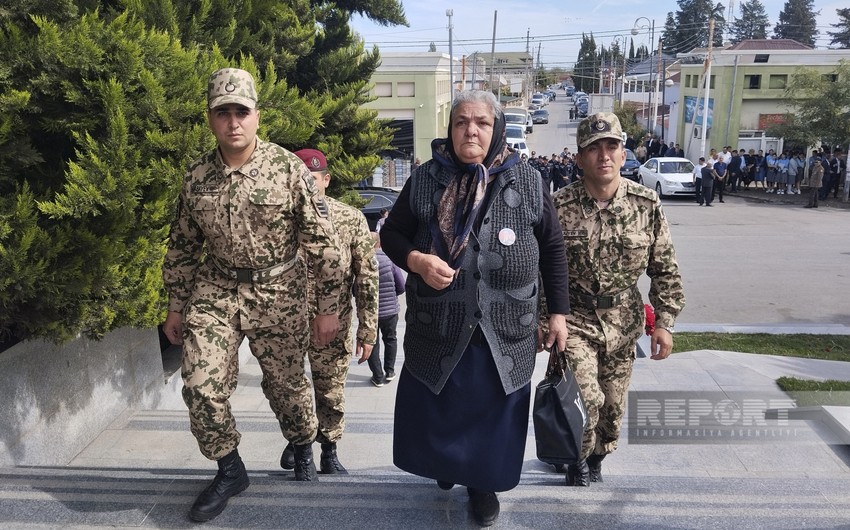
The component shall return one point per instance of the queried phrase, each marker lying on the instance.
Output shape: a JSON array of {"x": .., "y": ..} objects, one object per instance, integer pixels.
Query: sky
[{"x": 555, "y": 28}]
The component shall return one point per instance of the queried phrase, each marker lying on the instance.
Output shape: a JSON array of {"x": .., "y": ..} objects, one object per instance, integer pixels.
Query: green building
[{"x": 746, "y": 93}]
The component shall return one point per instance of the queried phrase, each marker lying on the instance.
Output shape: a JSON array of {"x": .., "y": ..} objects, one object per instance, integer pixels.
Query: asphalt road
[{"x": 746, "y": 263}]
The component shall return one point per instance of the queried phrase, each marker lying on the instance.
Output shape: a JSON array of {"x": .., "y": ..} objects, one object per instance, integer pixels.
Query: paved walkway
[{"x": 145, "y": 470}]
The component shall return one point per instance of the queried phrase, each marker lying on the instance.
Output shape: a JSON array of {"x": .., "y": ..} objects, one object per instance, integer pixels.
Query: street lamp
[
  {"x": 650, "y": 25},
  {"x": 450, "y": 13}
]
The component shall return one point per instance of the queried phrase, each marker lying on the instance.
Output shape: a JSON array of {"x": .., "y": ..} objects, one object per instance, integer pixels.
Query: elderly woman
[{"x": 475, "y": 231}]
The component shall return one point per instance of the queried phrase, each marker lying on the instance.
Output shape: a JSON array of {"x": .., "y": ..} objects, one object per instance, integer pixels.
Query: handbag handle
[{"x": 557, "y": 362}]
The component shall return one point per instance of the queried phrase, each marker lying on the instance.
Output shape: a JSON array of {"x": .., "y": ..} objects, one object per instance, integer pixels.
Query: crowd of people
[{"x": 498, "y": 268}]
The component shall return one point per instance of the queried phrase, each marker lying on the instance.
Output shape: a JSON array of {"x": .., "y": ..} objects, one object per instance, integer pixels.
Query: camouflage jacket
[
  {"x": 609, "y": 249},
  {"x": 357, "y": 257},
  {"x": 252, "y": 217}
]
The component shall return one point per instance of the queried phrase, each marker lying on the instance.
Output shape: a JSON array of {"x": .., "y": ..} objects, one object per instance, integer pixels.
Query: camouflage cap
[
  {"x": 231, "y": 85},
  {"x": 598, "y": 126},
  {"x": 313, "y": 158}
]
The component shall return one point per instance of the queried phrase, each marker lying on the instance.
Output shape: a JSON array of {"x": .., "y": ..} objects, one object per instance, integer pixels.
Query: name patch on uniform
[
  {"x": 575, "y": 234},
  {"x": 205, "y": 189}
]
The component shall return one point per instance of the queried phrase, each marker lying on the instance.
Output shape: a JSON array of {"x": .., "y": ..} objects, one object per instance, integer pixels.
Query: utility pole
[
  {"x": 707, "y": 87},
  {"x": 655, "y": 99},
  {"x": 493, "y": 57},
  {"x": 539, "y": 66},
  {"x": 449, "y": 14},
  {"x": 527, "y": 66}
]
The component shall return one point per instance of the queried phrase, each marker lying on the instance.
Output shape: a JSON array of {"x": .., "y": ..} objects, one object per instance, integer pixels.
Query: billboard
[{"x": 694, "y": 112}]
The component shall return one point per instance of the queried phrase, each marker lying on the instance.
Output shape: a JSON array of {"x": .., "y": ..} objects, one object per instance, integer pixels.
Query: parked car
[
  {"x": 570, "y": 90},
  {"x": 379, "y": 198},
  {"x": 581, "y": 109},
  {"x": 631, "y": 168},
  {"x": 520, "y": 117},
  {"x": 540, "y": 116},
  {"x": 668, "y": 176},
  {"x": 520, "y": 146},
  {"x": 514, "y": 132},
  {"x": 539, "y": 99}
]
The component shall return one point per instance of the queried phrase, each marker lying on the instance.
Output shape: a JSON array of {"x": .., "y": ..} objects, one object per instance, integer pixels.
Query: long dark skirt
[{"x": 470, "y": 434}]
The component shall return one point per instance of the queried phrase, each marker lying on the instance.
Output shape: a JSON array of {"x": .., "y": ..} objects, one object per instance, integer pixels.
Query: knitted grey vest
[{"x": 496, "y": 287}]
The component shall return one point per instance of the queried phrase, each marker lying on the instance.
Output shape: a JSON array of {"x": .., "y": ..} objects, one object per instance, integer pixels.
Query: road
[{"x": 746, "y": 263}]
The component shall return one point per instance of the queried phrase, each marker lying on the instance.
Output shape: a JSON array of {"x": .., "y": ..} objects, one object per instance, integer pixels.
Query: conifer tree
[
  {"x": 752, "y": 24},
  {"x": 105, "y": 117},
  {"x": 841, "y": 37},
  {"x": 797, "y": 21},
  {"x": 691, "y": 26}
]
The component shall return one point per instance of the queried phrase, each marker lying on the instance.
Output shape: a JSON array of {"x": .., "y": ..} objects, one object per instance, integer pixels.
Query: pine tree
[
  {"x": 691, "y": 26},
  {"x": 106, "y": 116},
  {"x": 841, "y": 37},
  {"x": 586, "y": 70},
  {"x": 753, "y": 22},
  {"x": 315, "y": 53},
  {"x": 797, "y": 21}
]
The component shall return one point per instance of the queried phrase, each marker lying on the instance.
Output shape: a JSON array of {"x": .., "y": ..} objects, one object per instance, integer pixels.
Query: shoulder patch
[{"x": 309, "y": 183}]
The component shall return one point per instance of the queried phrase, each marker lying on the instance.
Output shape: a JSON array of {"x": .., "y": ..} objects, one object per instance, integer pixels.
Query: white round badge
[{"x": 507, "y": 237}]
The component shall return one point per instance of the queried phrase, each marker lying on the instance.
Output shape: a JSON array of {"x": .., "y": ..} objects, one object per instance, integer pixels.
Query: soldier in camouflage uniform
[
  {"x": 329, "y": 364},
  {"x": 231, "y": 270},
  {"x": 614, "y": 231}
]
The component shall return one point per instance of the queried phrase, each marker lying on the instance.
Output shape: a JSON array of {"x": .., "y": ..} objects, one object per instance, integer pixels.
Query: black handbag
[{"x": 558, "y": 413}]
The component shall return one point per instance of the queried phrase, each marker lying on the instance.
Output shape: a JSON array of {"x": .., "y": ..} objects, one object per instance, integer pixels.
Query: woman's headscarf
[{"x": 462, "y": 199}]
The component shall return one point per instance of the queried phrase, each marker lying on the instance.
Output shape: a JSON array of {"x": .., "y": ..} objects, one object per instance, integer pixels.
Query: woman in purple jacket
[{"x": 390, "y": 286}]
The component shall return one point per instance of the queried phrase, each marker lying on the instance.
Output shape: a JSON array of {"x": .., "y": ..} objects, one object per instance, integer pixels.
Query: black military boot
[
  {"x": 578, "y": 474},
  {"x": 287, "y": 459},
  {"x": 594, "y": 464},
  {"x": 230, "y": 480},
  {"x": 329, "y": 463},
  {"x": 305, "y": 467}
]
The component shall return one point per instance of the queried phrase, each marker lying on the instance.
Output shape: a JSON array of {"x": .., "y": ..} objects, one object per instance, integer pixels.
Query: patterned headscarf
[{"x": 461, "y": 201}]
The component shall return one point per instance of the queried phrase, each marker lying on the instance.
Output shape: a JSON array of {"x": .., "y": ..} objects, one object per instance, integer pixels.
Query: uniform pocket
[{"x": 635, "y": 251}]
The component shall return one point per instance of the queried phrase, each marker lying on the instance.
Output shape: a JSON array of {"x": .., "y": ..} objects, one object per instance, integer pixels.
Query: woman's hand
[{"x": 435, "y": 272}]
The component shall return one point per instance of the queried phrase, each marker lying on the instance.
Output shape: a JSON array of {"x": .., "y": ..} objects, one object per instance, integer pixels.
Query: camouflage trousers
[
  {"x": 603, "y": 376},
  {"x": 329, "y": 366},
  {"x": 210, "y": 371}
]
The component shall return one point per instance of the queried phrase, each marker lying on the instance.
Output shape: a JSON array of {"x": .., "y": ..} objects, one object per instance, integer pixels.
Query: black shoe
[
  {"x": 721, "y": 200},
  {"x": 560, "y": 468},
  {"x": 390, "y": 376},
  {"x": 446, "y": 486},
  {"x": 231, "y": 479},
  {"x": 378, "y": 381},
  {"x": 578, "y": 474},
  {"x": 287, "y": 459},
  {"x": 329, "y": 463},
  {"x": 305, "y": 467},
  {"x": 594, "y": 464},
  {"x": 485, "y": 506}
]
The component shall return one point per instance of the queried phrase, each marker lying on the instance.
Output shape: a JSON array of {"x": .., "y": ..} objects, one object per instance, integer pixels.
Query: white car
[
  {"x": 668, "y": 176},
  {"x": 519, "y": 146},
  {"x": 514, "y": 133}
]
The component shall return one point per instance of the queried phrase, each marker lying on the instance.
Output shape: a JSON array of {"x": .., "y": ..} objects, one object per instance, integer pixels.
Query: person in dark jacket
[
  {"x": 390, "y": 286},
  {"x": 475, "y": 232}
]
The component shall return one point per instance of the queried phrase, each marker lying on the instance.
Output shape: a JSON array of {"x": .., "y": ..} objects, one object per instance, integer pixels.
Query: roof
[
  {"x": 649, "y": 65},
  {"x": 769, "y": 44}
]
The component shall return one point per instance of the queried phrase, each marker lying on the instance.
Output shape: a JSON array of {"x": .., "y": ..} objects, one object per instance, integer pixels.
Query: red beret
[{"x": 313, "y": 159}]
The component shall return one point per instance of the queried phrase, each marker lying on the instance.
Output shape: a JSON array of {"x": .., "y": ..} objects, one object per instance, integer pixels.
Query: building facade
[{"x": 746, "y": 93}]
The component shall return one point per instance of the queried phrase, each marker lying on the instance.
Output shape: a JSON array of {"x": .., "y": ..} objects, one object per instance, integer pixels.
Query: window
[
  {"x": 753, "y": 82},
  {"x": 688, "y": 81},
  {"x": 761, "y": 58},
  {"x": 406, "y": 90},
  {"x": 832, "y": 78},
  {"x": 383, "y": 90},
  {"x": 777, "y": 81},
  {"x": 711, "y": 82}
]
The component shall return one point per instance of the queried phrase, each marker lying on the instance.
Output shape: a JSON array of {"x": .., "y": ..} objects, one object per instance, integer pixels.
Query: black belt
[
  {"x": 601, "y": 301},
  {"x": 254, "y": 275}
]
